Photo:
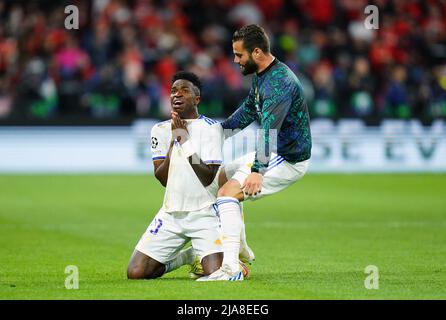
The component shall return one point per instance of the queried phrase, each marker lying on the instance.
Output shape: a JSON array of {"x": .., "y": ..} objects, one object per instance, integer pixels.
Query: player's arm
[
  {"x": 161, "y": 151},
  {"x": 243, "y": 116},
  {"x": 275, "y": 108},
  {"x": 161, "y": 167},
  {"x": 205, "y": 172}
]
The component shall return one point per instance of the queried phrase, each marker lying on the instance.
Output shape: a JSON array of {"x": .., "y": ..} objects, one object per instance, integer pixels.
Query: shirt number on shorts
[{"x": 155, "y": 226}]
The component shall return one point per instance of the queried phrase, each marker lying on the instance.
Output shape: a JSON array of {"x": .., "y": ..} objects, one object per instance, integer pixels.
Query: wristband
[
  {"x": 254, "y": 169},
  {"x": 260, "y": 171},
  {"x": 188, "y": 149}
]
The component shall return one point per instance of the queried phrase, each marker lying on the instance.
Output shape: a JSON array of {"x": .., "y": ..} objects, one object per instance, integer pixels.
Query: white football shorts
[
  {"x": 169, "y": 232},
  {"x": 279, "y": 175}
]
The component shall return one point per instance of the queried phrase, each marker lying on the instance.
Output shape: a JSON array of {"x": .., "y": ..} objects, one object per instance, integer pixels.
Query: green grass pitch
[{"x": 312, "y": 241}]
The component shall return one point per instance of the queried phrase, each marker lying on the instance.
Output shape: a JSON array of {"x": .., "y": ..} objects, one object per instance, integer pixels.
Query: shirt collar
[{"x": 268, "y": 67}]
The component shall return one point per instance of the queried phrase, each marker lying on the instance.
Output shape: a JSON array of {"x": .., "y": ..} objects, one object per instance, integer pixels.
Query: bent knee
[
  {"x": 138, "y": 272},
  {"x": 135, "y": 272},
  {"x": 231, "y": 188}
]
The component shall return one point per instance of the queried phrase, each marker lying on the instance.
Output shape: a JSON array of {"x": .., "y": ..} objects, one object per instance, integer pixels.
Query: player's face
[
  {"x": 183, "y": 98},
  {"x": 243, "y": 58}
]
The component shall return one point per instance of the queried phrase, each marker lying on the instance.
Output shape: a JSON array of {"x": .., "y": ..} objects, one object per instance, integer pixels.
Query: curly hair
[{"x": 189, "y": 76}]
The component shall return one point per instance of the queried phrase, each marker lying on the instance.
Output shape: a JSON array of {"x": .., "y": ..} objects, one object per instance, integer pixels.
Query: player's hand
[
  {"x": 179, "y": 128},
  {"x": 253, "y": 184}
]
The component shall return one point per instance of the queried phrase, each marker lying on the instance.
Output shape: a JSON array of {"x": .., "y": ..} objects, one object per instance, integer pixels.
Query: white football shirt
[{"x": 184, "y": 191}]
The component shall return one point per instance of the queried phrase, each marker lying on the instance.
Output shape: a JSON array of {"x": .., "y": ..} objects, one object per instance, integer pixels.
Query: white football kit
[
  {"x": 188, "y": 208},
  {"x": 279, "y": 175}
]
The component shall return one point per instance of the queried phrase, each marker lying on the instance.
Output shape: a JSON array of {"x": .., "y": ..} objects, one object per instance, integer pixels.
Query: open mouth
[{"x": 177, "y": 104}]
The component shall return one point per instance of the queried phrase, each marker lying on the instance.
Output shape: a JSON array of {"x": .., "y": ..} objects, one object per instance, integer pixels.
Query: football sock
[
  {"x": 243, "y": 242},
  {"x": 231, "y": 227},
  {"x": 185, "y": 256}
]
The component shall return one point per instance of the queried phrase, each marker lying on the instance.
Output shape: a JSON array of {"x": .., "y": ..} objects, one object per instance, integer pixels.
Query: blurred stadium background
[
  {"x": 84, "y": 101},
  {"x": 386, "y": 87},
  {"x": 118, "y": 65}
]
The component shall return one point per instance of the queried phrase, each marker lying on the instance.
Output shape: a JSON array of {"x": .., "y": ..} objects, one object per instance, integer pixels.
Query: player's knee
[
  {"x": 222, "y": 179},
  {"x": 223, "y": 192},
  {"x": 135, "y": 272},
  {"x": 229, "y": 189}
]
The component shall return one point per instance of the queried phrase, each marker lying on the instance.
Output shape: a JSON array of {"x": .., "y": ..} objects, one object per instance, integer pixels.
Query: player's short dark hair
[
  {"x": 253, "y": 36},
  {"x": 189, "y": 76}
]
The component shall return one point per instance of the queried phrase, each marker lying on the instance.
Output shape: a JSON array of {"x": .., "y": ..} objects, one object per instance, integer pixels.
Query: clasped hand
[{"x": 179, "y": 128}]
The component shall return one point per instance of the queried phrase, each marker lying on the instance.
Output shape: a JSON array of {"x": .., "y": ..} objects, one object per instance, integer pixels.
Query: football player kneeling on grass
[{"x": 187, "y": 154}]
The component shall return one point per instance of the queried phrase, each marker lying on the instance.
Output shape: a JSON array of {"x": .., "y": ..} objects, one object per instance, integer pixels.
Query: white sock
[
  {"x": 185, "y": 256},
  {"x": 231, "y": 226},
  {"x": 243, "y": 242}
]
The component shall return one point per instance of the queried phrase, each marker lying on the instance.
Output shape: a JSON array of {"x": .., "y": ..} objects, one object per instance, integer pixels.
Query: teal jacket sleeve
[{"x": 276, "y": 105}]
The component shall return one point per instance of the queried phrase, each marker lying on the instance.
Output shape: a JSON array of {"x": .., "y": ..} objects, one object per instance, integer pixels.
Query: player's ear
[
  {"x": 256, "y": 53},
  {"x": 197, "y": 100}
]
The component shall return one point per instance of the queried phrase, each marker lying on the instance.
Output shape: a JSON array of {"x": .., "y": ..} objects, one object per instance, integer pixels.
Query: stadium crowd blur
[{"x": 119, "y": 64}]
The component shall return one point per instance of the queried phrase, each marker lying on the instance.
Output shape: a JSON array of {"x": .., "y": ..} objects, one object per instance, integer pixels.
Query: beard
[{"x": 249, "y": 67}]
